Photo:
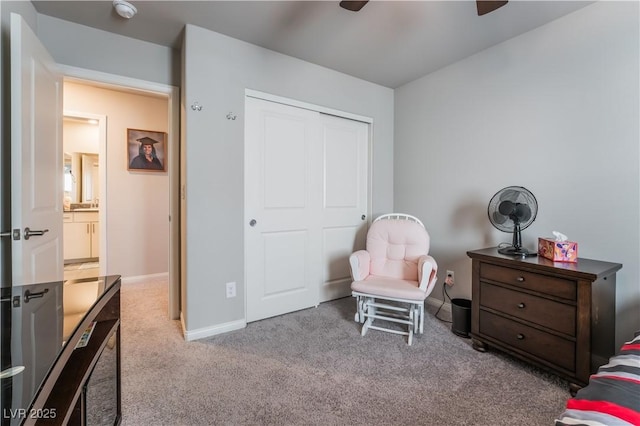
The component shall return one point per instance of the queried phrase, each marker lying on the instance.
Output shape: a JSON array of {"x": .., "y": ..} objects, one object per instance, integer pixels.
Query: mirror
[
  {"x": 69, "y": 177},
  {"x": 81, "y": 177},
  {"x": 90, "y": 177}
]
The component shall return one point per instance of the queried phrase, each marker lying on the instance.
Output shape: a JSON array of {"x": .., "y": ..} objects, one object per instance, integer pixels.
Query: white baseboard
[
  {"x": 436, "y": 303},
  {"x": 141, "y": 278},
  {"x": 213, "y": 330}
]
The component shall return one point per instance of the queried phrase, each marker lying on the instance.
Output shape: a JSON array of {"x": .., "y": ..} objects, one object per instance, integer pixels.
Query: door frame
[
  {"x": 312, "y": 107},
  {"x": 111, "y": 81},
  {"x": 251, "y": 93}
]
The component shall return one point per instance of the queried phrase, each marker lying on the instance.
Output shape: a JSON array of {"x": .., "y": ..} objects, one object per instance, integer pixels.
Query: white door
[
  {"x": 345, "y": 159},
  {"x": 305, "y": 195},
  {"x": 281, "y": 214},
  {"x": 36, "y": 159}
]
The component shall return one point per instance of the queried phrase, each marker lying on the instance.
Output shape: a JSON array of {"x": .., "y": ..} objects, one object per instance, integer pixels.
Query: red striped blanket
[{"x": 612, "y": 396}]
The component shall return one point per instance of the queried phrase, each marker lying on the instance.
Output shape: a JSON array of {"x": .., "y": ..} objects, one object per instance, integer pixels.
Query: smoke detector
[{"x": 124, "y": 8}]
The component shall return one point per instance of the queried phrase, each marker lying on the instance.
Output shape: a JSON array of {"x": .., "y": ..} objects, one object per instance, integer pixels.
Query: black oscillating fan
[{"x": 513, "y": 209}]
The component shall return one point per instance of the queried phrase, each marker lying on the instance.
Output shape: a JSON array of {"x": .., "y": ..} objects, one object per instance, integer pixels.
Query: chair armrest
[
  {"x": 359, "y": 262},
  {"x": 427, "y": 273}
]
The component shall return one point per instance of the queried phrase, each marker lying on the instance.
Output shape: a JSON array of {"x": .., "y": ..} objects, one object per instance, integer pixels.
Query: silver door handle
[
  {"x": 28, "y": 295},
  {"x": 29, "y": 233},
  {"x": 363, "y": 217},
  {"x": 253, "y": 222}
]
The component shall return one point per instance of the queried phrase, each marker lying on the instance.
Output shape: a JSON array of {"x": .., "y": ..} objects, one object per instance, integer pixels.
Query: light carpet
[{"x": 312, "y": 367}]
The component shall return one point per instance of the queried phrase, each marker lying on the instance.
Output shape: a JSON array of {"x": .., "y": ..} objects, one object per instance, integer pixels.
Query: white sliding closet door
[
  {"x": 280, "y": 182},
  {"x": 305, "y": 196},
  {"x": 345, "y": 162}
]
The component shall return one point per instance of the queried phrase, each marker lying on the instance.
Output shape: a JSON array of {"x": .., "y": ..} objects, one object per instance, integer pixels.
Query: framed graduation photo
[{"x": 146, "y": 150}]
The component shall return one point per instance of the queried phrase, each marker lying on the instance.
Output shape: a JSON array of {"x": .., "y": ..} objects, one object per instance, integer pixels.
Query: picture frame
[{"x": 146, "y": 150}]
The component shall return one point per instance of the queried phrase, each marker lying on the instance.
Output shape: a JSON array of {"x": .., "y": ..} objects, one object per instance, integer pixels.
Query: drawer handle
[
  {"x": 520, "y": 336},
  {"x": 521, "y": 305},
  {"x": 520, "y": 279}
]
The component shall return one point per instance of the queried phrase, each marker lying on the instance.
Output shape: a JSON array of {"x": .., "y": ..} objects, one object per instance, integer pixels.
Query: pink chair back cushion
[{"x": 394, "y": 246}]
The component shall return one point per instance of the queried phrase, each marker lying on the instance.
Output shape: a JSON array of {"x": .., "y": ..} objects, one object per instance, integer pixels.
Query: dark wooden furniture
[
  {"x": 73, "y": 385},
  {"x": 558, "y": 316}
]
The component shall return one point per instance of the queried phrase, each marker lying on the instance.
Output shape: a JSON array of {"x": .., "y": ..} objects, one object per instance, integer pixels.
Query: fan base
[{"x": 516, "y": 251}]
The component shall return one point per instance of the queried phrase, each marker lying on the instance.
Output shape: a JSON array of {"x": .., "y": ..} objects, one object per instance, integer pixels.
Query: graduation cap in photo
[{"x": 147, "y": 141}]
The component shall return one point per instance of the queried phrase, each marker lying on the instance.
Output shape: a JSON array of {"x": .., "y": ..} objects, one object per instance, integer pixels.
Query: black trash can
[{"x": 461, "y": 317}]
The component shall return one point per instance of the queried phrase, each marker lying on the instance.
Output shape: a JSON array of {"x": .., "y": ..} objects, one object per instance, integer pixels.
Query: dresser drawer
[
  {"x": 561, "y": 325},
  {"x": 553, "y": 286},
  {"x": 548, "y": 347},
  {"x": 545, "y": 312}
]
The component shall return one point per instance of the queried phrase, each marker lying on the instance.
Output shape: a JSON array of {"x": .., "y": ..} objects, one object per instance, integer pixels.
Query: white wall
[
  {"x": 137, "y": 203},
  {"x": 80, "y": 136},
  {"x": 554, "y": 110},
  {"x": 217, "y": 70}
]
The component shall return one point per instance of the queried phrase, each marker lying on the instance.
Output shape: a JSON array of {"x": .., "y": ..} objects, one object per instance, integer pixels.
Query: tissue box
[{"x": 558, "y": 251}]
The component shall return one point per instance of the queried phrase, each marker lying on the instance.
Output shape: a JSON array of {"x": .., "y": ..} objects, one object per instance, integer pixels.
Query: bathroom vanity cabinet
[{"x": 81, "y": 236}]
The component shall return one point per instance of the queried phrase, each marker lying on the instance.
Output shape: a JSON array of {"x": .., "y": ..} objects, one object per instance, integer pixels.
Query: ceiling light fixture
[{"x": 124, "y": 8}]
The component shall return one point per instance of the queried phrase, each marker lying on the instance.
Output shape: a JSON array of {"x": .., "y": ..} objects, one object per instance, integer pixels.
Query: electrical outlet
[
  {"x": 450, "y": 279},
  {"x": 231, "y": 290}
]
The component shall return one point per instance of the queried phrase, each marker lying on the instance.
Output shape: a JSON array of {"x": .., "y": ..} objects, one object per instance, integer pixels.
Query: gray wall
[
  {"x": 218, "y": 69},
  {"x": 554, "y": 110},
  {"x": 85, "y": 47}
]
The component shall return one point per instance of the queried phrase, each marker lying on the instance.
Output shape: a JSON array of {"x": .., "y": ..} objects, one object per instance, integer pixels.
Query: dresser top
[
  {"x": 584, "y": 268},
  {"x": 37, "y": 322}
]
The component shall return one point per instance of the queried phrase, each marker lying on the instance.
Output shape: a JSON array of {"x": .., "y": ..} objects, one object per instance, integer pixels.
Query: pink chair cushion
[
  {"x": 388, "y": 287},
  {"x": 395, "y": 246}
]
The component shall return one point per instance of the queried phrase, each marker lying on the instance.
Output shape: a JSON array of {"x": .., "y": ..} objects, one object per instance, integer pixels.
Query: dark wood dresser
[{"x": 558, "y": 316}]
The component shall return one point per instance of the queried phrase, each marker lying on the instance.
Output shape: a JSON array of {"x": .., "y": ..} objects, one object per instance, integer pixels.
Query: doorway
[
  {"x": 131, "y": 104},
  {"x": 85, "y": 240}
]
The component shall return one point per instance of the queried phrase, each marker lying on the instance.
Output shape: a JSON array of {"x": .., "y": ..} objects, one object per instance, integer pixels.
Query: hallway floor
[{"x": 73, "y": 271}]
